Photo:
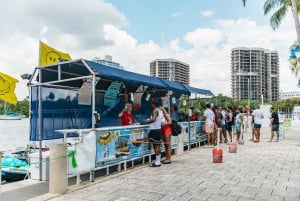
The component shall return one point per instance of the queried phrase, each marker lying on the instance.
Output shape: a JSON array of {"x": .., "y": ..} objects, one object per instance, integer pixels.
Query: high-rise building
[
  {"x": 170, "y": 69},
  {"x": 254, "y": 74},
  {"x": 108, "y": 62}
]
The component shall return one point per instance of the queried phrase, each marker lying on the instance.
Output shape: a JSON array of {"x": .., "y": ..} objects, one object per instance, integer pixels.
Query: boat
[
  {"x": 14, "y": 169},
  {"x": 7, "y": 115},
  {"x": 10, "y": 117}
]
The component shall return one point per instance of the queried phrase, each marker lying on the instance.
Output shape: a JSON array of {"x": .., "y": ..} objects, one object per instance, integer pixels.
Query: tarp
[
  {"x": 59, "y": 96},
  {"x": 198, "y": 91}
]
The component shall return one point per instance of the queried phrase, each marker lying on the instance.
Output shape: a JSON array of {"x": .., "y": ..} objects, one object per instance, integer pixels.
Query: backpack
[{"x": 176, "y": 128}]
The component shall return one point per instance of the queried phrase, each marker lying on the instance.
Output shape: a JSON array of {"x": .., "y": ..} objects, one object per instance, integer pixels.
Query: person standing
[
  {"x": 274, "y": 124},
  {"x": 127, "y": 118},
  {"x": 223, "y": 123},
  {"x": 166, "y": 131},
  {"x": 229, "y": 122},
  {"x": 238, "y": 123},
  {"x": 194, "y": 114},
  {"x": 174, "y": 113},
  {"x": 257, "y": 119},
  {"x": 154, "y": 136},
  {"x": 209, "y": 118}
]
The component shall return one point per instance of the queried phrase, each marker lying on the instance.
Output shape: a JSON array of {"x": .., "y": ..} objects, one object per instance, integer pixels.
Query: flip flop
[{"x": 166, "y": 162}]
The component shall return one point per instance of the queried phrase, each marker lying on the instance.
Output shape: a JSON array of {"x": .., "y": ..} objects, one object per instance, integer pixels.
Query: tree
[{"x": 278, "y": 15}]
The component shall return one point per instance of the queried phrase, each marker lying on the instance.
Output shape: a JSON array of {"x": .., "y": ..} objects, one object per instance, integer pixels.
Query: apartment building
[
  {"x": 254, "y": 74},
  {"x": 171, "y": 69}
]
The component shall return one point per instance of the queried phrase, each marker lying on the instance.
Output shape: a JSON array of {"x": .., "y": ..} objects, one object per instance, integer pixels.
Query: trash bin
[{"x": 35, "y": 165}]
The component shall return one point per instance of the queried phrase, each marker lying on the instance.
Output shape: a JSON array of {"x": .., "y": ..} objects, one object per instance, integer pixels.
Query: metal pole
[
  {"x": 189, "y": 126},
  {"x": 40, "y": 122},
  {"x": 93, "y": 102}
]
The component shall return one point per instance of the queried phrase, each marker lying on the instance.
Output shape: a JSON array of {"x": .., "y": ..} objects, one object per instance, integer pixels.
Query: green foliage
[
  {"x": 225, "y": 101},
  {"x": 21, "y": 107}
]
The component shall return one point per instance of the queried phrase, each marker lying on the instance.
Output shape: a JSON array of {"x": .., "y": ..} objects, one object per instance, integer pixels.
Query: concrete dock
[{"x": 258, "y": 171}]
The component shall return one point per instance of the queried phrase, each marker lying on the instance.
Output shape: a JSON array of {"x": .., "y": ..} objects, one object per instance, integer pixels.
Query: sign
[
  {"x": 111, "y": 94},
  {"x": 85, "y": 91}
]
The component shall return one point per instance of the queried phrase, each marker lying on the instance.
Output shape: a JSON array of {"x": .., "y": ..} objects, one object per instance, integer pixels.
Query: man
[
  {"x": 154, "y": 136},
  {"x": 194, "y": 114},
  {"x": 127, "y": 118},
  {"x": 209, "y": 118},
  {"x": 239, "y": 119},
  {"x": 257, "y": 119},
  {"x": 274, "y": 124}
]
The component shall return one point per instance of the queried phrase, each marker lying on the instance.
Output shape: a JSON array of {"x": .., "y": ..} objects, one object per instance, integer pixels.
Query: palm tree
[{"x": 278, "y": 15}]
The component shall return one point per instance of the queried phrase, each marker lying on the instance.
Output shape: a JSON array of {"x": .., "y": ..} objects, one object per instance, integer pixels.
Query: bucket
[
  {"x": 217, "y": 155},
  {"x": 232, "y": 147}
]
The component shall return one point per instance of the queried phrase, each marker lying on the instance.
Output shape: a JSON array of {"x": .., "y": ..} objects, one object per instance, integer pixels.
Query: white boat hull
[{"x": 10, "y": 117}]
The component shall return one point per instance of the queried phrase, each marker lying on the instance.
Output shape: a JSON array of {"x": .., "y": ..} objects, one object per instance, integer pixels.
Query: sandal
[{"x": 166, "y": 162}]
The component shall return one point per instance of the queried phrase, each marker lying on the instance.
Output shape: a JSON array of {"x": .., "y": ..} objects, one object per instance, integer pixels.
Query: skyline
[{"x": 200, "y": 34}]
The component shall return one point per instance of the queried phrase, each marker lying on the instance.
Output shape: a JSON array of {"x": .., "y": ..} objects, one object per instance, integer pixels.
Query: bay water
[{"x": 14, "y": 134}]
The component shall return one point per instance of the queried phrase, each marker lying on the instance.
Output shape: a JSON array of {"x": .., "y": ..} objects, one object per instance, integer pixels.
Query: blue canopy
[
  {"x": 107, "y": 75},
  {"x": 198, "y": 91}
]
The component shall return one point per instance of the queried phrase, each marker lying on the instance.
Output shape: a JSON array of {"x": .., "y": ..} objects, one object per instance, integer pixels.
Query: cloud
[
  {"x": 207, "y": 13},
  {"x": 176, "y": 14},
  {"x": 87, "y": 29}
]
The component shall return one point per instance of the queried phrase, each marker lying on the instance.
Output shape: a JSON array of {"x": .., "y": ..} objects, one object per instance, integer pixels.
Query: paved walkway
[{"x": 258, "y": 171}]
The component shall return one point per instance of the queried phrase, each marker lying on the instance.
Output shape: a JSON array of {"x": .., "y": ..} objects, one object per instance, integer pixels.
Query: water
[{"x": 14, "y": 134}]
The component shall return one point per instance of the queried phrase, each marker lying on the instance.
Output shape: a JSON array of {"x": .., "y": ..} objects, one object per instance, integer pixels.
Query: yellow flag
[
  {"x": 7, "y": 89},
  {"x": 49, "y": 55}
]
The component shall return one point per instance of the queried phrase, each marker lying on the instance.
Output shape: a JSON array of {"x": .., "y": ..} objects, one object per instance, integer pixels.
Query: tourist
[
  {"x": 174, "y": 113},
  {"x": 229, "y": 122},
  {"x": 166, "y": 131},
  {"x": 127, "y": 118},
  {"x": 238, "y": 123},
  {"x": 257, "y": 119},
  {"x": 274, "y": 124},
  {"x": 221, "y": 122},
  {"x": 209, "y": 118},
  {"x": 216, "y": 125},
  {"x": 194, "y": 115},
  {"x": 154, "y": 136}
]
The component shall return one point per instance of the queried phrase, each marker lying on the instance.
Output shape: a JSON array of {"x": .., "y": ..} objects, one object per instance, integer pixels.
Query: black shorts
[
  {"x": 257, "y": 125},
  {"x": 275, "y": 127},
  {"x": 154, "y": 136}
]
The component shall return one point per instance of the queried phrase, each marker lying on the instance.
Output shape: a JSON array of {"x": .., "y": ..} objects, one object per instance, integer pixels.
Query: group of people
[
  {"x": 214, "y": 118},
  {"x": 227, "y": 120},
  {"x": 160, "y": 130},
  {"x": 224, "y": 120}
]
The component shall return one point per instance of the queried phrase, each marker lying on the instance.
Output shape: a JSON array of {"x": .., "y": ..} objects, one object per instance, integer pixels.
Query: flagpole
[{"x": 40, "y": 118}]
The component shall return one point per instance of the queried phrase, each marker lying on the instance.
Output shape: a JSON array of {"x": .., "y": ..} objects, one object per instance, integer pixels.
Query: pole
[
  {"x": 189, "y": 126},
  {"x": 40, "y": 122}
]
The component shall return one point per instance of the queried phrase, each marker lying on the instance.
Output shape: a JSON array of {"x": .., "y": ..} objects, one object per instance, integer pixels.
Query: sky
[{"x": 135, "y": 32}]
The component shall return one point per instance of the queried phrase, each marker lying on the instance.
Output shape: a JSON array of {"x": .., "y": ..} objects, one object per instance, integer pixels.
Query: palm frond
[
  {"x": 244, "y": 2},
  {"x": 277, "y": 17},
  {"x": 272, "y": 4}
]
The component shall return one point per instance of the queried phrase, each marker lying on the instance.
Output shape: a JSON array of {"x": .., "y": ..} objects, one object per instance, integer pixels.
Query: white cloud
[
  {"x": 207, "y": 13},
  {"x": 176, "y": 14},
  {"x": 102, "y": 32}
]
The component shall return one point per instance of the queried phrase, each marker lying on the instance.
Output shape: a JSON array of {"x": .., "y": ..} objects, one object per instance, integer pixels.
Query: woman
[{"x": 166, "y": 131}]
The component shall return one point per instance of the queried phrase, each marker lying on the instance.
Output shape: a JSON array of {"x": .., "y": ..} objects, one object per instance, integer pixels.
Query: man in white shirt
[
  {"x": 209, "y": 118},
  {"x": 257, "y": 117}
]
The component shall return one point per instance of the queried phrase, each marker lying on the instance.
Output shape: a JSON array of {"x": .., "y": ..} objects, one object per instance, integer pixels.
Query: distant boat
[{"x": 10, "y": 115}]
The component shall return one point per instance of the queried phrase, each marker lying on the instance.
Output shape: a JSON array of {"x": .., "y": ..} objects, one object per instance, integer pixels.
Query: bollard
[{"x": 58, "y": 180}]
